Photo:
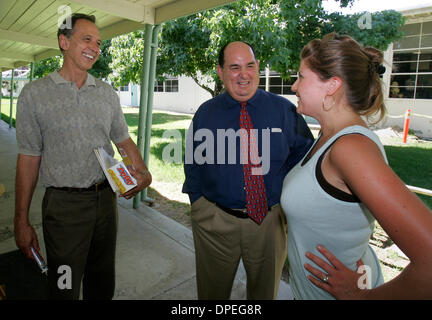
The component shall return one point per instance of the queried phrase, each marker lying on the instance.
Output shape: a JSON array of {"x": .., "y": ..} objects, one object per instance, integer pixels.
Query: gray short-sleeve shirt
[{"x": 63, "y": 124}]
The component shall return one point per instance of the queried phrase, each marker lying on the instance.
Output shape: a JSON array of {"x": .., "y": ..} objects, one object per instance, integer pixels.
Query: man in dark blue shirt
[{"x": 216, "y": 185}]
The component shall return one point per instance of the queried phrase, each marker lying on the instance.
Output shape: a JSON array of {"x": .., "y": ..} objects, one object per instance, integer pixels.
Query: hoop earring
[{"x": 331, "y": 106}]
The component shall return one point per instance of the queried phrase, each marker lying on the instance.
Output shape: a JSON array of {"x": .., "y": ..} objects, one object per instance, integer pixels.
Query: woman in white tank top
[{"x": 333, "y": 196}]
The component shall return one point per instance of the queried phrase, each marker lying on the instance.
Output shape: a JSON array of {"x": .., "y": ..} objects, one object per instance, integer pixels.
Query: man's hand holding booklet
[{"x": 117, "y": 173}]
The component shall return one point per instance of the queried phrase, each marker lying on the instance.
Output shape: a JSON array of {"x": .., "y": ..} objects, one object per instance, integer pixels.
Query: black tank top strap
[{"x": 326, "y": 186}]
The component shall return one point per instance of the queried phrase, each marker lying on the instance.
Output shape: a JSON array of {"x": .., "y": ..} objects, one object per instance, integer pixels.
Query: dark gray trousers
[{"x": 80, "y": 231}]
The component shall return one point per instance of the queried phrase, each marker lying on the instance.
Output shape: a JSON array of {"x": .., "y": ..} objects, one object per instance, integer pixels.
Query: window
[
  {"x": 158, "y": 87},
  {"x": 411, "y": 76},
  {"x": 276, "y": 83},
  {"x": 124, "y": 88},
  {"x": 169, "y": 85}
]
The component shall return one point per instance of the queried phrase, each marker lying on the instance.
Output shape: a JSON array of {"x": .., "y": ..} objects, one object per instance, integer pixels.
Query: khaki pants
[
  {"x": 80, "y": 230},
  {"x": 222, "y": 239}
]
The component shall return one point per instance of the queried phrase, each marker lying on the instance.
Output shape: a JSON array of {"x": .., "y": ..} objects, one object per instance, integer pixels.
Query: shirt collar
[
  {"x": 58, "y": 79},
  {"x": 231, "y": 103}
]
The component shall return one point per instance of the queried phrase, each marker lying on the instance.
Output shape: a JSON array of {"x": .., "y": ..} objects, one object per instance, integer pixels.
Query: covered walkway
[{"x": 155, "y": 255}]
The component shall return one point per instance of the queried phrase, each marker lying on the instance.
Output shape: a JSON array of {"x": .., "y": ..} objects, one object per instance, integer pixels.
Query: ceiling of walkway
[{"x": 28, "y": 28}]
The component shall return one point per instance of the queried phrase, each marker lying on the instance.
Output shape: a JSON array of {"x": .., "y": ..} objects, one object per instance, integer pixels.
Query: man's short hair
[
  {"x": 67, "y": 29},
  {"x": 221, "y": 58}
]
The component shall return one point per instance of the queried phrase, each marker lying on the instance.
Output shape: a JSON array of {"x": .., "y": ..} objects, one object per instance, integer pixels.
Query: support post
[
  {"x": 1, "y": 92},
  {"x": 150, "y": 90},
  {"x": 31, "y": 71},
  {"x": 143, "y": 99},
  {"x": 11, "y": 98}
]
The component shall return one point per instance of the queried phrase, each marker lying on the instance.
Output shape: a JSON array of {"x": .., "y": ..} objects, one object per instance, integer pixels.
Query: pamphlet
[{"x": 116, "y": 172}]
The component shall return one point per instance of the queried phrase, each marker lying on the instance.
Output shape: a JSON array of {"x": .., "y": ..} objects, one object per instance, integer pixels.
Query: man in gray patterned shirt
[{"x": 60, "y": 120}]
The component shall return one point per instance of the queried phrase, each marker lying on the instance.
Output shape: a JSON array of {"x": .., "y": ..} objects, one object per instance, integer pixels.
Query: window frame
[
  {"x": 284, "y": 86},
  {"x": 418, "y": 56},
  {"x": 170, "y": 85}
]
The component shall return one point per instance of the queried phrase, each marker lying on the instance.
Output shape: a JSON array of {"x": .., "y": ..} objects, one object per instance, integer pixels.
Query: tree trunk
[
  {"x": 218, "y": 87},
  {"x": 212, "y": 92}
]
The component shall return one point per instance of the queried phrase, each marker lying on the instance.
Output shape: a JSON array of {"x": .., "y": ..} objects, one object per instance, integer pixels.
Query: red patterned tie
[{"x": 256, "y": 199}]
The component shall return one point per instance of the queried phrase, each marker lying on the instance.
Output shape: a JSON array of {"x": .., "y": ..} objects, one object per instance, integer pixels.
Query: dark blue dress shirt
[{"x": 219, "y": 179}]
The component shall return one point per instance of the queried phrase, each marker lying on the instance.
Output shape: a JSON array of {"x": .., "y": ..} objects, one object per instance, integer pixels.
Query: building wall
[
  {"x": 125, "y": 97},
  {"x": 187, "y": 100},
  {"x": 397, "y": 108},
  {"x": 17, "y": 90},
  {"x": 421, "y": 109},
  {"x": 190, "y": 96}
]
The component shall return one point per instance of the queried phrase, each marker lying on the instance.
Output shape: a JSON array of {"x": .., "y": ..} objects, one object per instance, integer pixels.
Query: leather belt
[
  {"x": 239, "y": 213},
  {"x": 95, "y": 188}
]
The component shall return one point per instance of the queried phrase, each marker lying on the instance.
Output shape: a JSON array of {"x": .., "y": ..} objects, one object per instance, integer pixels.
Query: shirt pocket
[{"x": 279, "y": 146}]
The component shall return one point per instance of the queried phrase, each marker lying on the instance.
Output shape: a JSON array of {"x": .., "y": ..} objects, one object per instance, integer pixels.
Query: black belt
[
  {"x": 96, "y": 187},
  {"x": 239, "y": 213}
]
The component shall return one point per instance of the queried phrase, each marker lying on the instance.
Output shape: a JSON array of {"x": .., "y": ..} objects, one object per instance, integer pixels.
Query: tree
[
  {"x": 46, "y": 66},
  {"x": 101, "y": 69},
  {"x": 277, "y": 29},
  {"x": 126, "y": 52},
  {"x": 369, "y": 29},
  {"x": 190, "y": 45},
  {"x": 307, "y": 20}
]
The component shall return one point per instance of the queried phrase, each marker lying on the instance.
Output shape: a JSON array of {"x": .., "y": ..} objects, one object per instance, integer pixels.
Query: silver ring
[{"x": 325, "y": 279}]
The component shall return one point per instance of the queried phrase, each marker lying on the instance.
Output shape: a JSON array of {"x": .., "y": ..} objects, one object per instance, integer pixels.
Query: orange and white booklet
[{"x": 116, "y": 172}]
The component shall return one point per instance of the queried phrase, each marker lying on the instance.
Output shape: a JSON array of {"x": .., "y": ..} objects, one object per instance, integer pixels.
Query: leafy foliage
[
  {"x": 384, "y": 27},
  {"x": 46, "y": 66},
  {"x": 277, "y": 29},
  {"x": 101, "y": 69},
  {"x": 127, "y": 58}
]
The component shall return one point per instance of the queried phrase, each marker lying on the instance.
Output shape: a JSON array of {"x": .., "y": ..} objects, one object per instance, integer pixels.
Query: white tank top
[{"x": 316, "y": 217}]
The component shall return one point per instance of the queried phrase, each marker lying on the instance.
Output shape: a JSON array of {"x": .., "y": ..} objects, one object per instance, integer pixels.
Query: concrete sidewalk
[{"x": 155, "y": 254}]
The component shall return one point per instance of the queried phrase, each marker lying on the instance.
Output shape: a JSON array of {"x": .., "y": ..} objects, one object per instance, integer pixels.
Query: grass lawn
[
  {"x": 5, "y": 110},
  {"x": 167, "y": 177},
  {"x": 161, "y": 121},
  {"x": 413, "y": 164}
]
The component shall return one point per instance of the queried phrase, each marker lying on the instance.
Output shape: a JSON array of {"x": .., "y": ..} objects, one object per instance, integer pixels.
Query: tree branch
[{"x": 195, "y": 78}]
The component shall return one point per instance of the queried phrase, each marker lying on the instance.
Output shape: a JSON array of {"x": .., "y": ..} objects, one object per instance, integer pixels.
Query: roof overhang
[
  {"x": 28, "y": 29},
  {"x": 417, "y": 14}
]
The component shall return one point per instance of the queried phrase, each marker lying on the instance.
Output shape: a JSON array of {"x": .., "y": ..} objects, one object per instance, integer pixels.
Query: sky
[{"x": 375, "y": 5}]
